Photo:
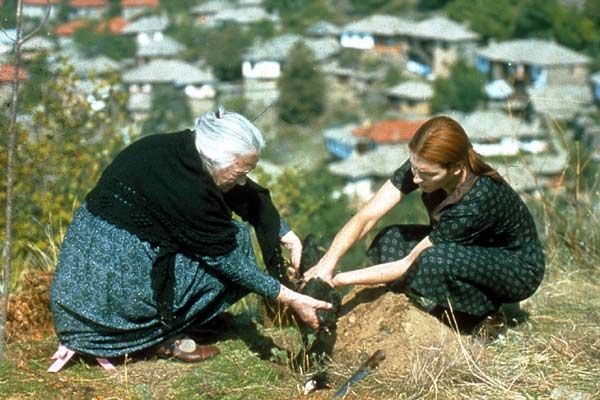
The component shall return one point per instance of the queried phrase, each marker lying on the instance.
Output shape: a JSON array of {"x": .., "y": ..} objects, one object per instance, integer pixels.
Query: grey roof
[
  {"x": 167, "y": 47},
  {"x": 560, "y": 101},
  {"x": 486, "y": 125},
  {"x": 99, "y": 65},
  {"x": 168, "y": 71},
  {"x": 323, "y": 28},
  {"x": 382, "y": 25},
  {"x": 211, "y": 7},
  {"x": 38, "y": 43},
  {"x": 279, "y": 47},
  {"x": 532, "y": 51},
  {"x": 442, "y": 28},
  {"x": 412, "y": 89},
  {"x": 244, "y": 15},
  {"x": 334, "y": 68},
  {"x": 152, "y": 23},
  {"x": 380, "y": 162}
]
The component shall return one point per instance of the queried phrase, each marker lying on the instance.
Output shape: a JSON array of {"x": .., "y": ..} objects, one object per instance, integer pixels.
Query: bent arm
[
  {"x": 382, "y": 273},
  {"x": 356, "y": 228}
]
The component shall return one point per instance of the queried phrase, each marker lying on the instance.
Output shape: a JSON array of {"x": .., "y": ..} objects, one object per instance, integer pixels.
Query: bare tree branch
[{"x": 10, "y": 165}]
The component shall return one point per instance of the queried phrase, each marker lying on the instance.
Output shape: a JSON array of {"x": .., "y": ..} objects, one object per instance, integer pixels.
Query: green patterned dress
[{"x": 485, "y": 249}]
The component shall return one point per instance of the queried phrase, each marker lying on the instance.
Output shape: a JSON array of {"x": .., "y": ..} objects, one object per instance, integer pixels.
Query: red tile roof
[
  {"x": 69, "y": 28},
  {"x": 115, "y": 25},
  {"x": 38, "y": 2},
  {"x": 88, "y": 3},
  {"x": 7, "y": 73},
  {"x": 389, "y": 131},
  {"x": 139, "y": 3}
]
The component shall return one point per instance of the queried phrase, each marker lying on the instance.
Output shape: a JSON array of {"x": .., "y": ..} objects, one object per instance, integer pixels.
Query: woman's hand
[
  {"x": 304, "y": 306},
  {"x": 323, "y": 269},
  {"x": 294, "y": 245}
]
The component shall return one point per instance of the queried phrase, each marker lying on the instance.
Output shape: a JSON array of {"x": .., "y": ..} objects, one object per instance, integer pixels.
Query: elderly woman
[
  {"x": 154, "y": 252},
  {"x": 481, "y": 247}
]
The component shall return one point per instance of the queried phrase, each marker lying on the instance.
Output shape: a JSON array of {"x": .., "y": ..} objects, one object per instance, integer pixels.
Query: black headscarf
[{"x": 158, "y": 189}]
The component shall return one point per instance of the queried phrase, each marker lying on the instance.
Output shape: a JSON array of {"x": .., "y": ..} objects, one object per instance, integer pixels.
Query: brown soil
[
  {"x": 29, "y": 316},
  {"x": 376, "y": 319}
]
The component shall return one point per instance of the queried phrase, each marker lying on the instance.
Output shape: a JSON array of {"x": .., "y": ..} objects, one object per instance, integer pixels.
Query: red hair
[{"x": 441, "y": 140}]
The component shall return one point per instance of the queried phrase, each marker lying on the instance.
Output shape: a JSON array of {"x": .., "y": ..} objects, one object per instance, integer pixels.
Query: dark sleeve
[
  {"x": 403, "y": 178},
  {"x": 468, "y": 222},
  {"x": 253, "y": 204},
  {"x": 250, "y": 277}
]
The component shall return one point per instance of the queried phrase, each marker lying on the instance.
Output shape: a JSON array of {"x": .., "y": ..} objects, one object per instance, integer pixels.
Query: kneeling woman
[
  {"x": 154, "y": 252},
  {"x": 481, "y": 247}
]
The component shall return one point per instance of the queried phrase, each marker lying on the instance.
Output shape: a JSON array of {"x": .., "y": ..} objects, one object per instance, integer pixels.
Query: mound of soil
[
  {"x": 376, "y": 319},
  {"x": 29, "y": 316}
]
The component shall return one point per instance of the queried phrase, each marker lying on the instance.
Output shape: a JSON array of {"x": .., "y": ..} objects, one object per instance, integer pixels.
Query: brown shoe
[{"x": 186, "y": 350}]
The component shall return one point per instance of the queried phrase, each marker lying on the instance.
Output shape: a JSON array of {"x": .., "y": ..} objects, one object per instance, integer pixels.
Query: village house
[
  {"x": 7, "y": 74},
  {"x": 147, "y": 29},
  {"x": 263, "y": 62},
  {"x": 410, "y": 98},
  {"x": 595, "y": 80},
  {"x": 158, "y": 47},
  {"x": 368, "y": 154},
  {"x": 66, "y": 31},
  {"x": 198, "y": 84},
  {"x": 494, "y": 133},
  {"x": 39, "y": 8},
  {"x": 347, "y": 85},
  {"x": 88, "y": 9},
  {"x": 529, "y": 156},
  {"x": 241, "y": 16},
  {"x": 323, "y": 29},
  {"x": 364, "y": 172},
  {"x": 381, "y": 34},
  {"x": 531, "y": 63},
  {"x": 427, "y": 48},
  {"x": 437, "y": 43},
  {"x": 132, "y": 8},
  {"x": 31, "y": 49}
]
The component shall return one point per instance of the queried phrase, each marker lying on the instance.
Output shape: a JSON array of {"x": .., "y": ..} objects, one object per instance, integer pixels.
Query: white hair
[{"x": 222, "y": 136}]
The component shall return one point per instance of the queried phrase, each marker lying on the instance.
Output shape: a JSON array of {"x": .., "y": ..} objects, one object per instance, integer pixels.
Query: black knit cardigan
[{"x": 158, "y": 189}]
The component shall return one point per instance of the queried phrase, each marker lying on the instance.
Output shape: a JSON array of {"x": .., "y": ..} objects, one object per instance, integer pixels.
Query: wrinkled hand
[
  {"x": 294, "y": 245},
  {"x": 305, "y": 307}
]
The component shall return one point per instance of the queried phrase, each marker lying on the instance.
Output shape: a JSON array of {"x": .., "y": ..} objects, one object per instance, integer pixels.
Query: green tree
[
  {"x": 462, "y": 90},
  {"x": 8, "y": 13},
  {"x": 301, "y": 87},
  {"x": 490, "y": 18},
  {"x": 114, "y": 9},
  {"x": 169, "y": 112},
  {"x": 60, "y": 157},
  {"x": 297, "y": 15},
  {"x": 92, "y": 41},
  {"x": 307, "y": 203},
  {"x": 38, "y": 74},
  {"x": 178, "y": 7},
  {"x": 223, "y": 50},
  {"x": 536, "y": 17},
  {"x": 64, "y": 11},
  {"x": 427, "y": 5}
]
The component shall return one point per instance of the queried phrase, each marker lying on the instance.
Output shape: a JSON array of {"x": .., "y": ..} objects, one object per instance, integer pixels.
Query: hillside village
[{"x": 537, "y": 92}]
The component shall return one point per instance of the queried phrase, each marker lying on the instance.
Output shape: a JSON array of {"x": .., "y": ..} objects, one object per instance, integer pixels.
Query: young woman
[{"x": 481, "y": 248}]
